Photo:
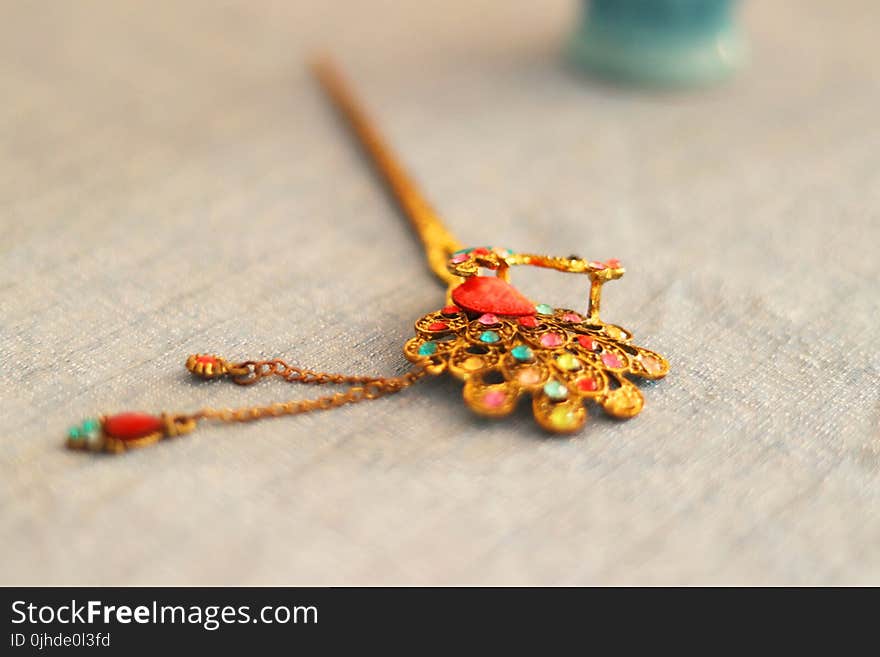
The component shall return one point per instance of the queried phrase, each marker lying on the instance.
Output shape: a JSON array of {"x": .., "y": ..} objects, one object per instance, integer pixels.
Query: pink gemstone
[
  {"x": 651, "y": 364},
  {"x": 587, "y": 342},
  {"x": 614, "y": 263},
  {"x": 551, "y": 340},
  {"x": 494, "y": 398},
  {"x": 572, "y": 317},
  {"x": 459, "y": 257},
  {"x": 595, "y": 264},
  {"x": 488, "y": 319},
  {"x": 612, "y": 360},
  {"x": 529, "y": 321}
]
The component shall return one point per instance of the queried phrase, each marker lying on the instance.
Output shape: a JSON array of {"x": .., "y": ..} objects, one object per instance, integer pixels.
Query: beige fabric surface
[{"x": 171, "y": 181}]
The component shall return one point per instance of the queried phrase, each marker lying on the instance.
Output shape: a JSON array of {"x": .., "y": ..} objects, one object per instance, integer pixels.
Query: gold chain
[
  {"x": 251, "y": 371},
  {"x": 364, "y": 388}
]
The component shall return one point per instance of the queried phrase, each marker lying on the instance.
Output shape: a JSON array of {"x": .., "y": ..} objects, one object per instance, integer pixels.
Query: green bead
[
  {"x": 522, "y": 353},
  {"x": 544, "y": 309},
  {"x": 91, "y": 426},
  {"x": 428, "y": 349},
  {"x": 74, "y": 433},
  {"x": 555, "y": 390},
  {"x": 489, "y": 336}
]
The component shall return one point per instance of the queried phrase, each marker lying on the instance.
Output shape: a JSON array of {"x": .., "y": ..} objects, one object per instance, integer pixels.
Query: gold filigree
[{"x": 558, "y": 356}]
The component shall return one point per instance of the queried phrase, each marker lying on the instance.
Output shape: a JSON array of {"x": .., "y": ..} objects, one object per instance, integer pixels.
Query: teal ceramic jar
[{"x": 659, "y": 42}]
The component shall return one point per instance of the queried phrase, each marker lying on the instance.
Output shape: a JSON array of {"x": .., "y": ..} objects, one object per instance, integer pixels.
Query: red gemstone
[
  {"x": 587, "y": 342},
  {"x": 207, "y": 360},
  {"x": 529, "y": 321},
  {"x": 587, "y": 384},
  {"x": 450, "y": 310},
  {"x": 438, "y": 326},
  {"x": 481, "y": 250},
  {"x": 129, "y": 426},
  {"x": 489, "y": 294}
]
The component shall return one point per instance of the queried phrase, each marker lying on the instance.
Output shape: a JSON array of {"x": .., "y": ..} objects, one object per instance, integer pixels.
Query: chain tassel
[{"x": 119, "y": 433}]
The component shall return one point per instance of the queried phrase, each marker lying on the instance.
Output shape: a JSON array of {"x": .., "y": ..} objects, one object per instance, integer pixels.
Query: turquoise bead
[
  {"x": 428, "y": 349},
  {"x": 489, "y": 336},
  {"x": 74, "y": 433},
  {"x": 522, "y": 353},
  {"x": 91, "y": 426},
  {"x": 544, "y": 309},
  {"x": 555, "y": 390}
]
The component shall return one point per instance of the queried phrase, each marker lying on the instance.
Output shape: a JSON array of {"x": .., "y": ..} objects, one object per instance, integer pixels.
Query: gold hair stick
[{"x": 501, "y": 344}]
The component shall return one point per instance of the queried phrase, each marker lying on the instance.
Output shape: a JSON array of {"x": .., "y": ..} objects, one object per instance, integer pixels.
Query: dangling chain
[
  {"x": 119, "y": 433},
  {"x": 249, "y": 372}
]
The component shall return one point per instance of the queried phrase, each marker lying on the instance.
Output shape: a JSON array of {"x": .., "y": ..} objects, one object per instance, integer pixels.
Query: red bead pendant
[
  {"x": 489, "y": 294},
  {"x": 129, "y": 426}
]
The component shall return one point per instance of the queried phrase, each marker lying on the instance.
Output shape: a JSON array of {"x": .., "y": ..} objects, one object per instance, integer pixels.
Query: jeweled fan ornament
[{"x": 501, "y": 344}]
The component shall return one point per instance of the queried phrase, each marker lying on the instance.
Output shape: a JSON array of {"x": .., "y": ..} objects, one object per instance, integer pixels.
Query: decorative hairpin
[{"x": 501, "y": 344}]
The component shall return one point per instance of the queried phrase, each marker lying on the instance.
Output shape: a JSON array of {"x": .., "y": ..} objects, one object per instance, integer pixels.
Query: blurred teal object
[{"x": 659, "y": 42}]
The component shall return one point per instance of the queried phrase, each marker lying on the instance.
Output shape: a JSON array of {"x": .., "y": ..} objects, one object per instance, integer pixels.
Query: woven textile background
[{"x": 171, "y": 181}]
